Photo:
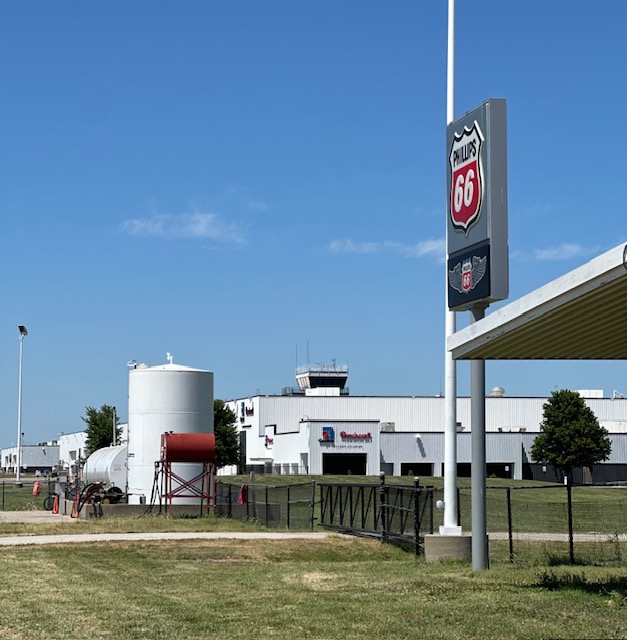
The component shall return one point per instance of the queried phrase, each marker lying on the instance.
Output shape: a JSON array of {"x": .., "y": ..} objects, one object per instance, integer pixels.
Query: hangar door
[{"x": 344, "y": 464}]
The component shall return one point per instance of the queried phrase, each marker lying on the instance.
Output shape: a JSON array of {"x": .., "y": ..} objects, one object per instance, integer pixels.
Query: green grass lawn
[
  {"x": 136, "y": 524},
  {"x": 14, "y": 498},
  {"x": 338, "y": 588}
]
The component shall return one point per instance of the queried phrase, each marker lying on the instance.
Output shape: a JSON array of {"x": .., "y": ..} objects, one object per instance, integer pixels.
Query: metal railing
[
  {"x": 400, "y": 514},
  {"x": 553, "y": 523},
  {"x": 290, "y": 506}
]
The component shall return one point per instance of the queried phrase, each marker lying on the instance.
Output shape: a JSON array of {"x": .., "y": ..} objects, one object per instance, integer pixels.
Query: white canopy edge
[{"x": 581, "y": 315}]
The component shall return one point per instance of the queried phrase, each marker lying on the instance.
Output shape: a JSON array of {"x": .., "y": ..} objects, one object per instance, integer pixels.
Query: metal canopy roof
[{"x": 580, "y": 316}]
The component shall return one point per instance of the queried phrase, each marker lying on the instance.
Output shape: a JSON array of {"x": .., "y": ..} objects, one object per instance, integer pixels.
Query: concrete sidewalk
[
  {"x": 33, "y": 517},
  {"x": 16, "y": 541},
  {"x": 38, "y": 517}
]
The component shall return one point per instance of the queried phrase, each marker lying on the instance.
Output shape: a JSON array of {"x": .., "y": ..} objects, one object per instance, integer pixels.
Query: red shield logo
[
  {"x": 466, "y": 194},
  {"x": 466, "y": 276}
]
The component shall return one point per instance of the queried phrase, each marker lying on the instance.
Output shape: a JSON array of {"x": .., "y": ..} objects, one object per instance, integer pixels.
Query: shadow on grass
[
  {"x": 561, "y": 559},
  {"x": 612, "y": 586}
]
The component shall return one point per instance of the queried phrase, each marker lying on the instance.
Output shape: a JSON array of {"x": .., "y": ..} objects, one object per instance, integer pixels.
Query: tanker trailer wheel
[{"x": 114, "y": 495}]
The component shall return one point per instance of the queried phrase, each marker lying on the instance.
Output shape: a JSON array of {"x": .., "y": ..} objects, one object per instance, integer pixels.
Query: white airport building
[
  {"x": 39, "y": 459},
  {"x": 319, "y": 428}
]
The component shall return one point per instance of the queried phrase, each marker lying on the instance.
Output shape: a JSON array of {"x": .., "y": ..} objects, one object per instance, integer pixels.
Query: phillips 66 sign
[{"x": 477, "y": 263}]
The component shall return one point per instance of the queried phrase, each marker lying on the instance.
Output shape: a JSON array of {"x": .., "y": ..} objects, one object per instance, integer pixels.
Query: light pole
[
  {"x": 450, "y": 526},
  {"x": 23, "y": 333}
]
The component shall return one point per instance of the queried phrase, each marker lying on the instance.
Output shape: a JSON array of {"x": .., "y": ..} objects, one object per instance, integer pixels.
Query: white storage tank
[
  {"x": 107, "y": 466},
  {"x": 164, "y": 398}
]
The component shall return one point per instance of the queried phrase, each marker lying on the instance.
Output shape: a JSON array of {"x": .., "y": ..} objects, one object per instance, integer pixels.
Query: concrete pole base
[{"x": 438, "y": 548}]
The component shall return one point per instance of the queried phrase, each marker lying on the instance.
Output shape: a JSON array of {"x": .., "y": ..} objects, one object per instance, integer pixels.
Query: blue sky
[{"x": 242, "y": 183}]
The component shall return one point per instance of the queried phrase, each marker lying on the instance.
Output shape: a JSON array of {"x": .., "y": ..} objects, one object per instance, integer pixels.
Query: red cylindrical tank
[
  {"x": 36, "y": 488},
  {"x": 188, "y": 447}
]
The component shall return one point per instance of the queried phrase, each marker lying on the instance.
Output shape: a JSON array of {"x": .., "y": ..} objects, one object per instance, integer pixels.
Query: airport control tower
[{"x": 322, "y": 379}]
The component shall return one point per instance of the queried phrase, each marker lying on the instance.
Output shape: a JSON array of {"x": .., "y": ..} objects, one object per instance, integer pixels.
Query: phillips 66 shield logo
[{"x": 466, "y": 177}]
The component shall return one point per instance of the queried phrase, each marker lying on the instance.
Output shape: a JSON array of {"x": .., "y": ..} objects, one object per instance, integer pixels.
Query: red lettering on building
[{"x": 355, "y": 436}]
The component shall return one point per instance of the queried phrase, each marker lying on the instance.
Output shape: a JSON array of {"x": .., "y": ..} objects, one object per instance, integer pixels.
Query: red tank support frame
[{"x": 188, "y": 448}]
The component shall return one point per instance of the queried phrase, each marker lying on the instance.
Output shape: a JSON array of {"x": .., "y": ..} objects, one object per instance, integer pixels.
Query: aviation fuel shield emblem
[
  {"x": 467, "y": 274},
  {"x": 467, "y": 180}
]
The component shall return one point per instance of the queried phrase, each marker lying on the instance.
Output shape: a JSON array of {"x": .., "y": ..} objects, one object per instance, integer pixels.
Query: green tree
[
  {"x": 570, "y": 435},
  {"x": 227, "y": 438},
  {"x": 100, "y": 427}
]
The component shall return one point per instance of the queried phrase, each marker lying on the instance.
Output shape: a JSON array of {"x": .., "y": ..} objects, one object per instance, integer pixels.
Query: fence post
[
  {"x": 351, "y": 520},
  {"x": 3, "y": 495},
  {"x": 230, "y": 501},
  {"x": 267, "y": 508},
  {"x": 459, "y": 509},
  {"x": 510, "y": 531},
  {"x": 288, "y": 506},
  {"x": 417, "y": 515},
  {"x": 383, "y": 515},
  {"x": 571, "y": 543},
  {"x": 431, "y": 492},
  {"x": 313, "y": 503}
]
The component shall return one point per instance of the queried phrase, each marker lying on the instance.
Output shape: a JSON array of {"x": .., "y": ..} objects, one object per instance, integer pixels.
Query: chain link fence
[
  {"x": 21, "y": 496},
  {"x": 552, "y": 524},
  {"x": 556, "y": 524}
]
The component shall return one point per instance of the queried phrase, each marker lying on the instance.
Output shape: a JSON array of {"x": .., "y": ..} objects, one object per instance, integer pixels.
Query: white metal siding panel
[
  {"x": 38, "y": 456},
  {"x": 410, "y": 414},
  {"x": 619, "y": 450},
  {"x": 407, "y": 414},
  {"x": 511, "y": 414},
  {"x": 424, "y": 415}
]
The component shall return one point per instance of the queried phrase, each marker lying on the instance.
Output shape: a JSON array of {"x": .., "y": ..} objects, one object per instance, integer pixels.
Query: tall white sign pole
[{"x": 450, "y": 526}]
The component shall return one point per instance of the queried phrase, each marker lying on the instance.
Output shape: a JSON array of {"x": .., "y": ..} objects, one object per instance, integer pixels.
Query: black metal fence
[
  {"x": 394, "y": 513},
  {"x": 556, "y": 523},
  {"x": 20, "y": 496},
  {"x": 574, "y": 524},
  {"x": 289, "y": 506}
]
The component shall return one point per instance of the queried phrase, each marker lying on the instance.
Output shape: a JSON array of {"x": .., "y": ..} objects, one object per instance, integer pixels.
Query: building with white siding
[
  {"x": 72, "y": 451},
  {"x": 34, "y": 458},
  {"x": 323, "y": 430}
]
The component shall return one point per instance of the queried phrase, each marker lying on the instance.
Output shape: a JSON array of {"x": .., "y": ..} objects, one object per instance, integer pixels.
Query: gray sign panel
[{"x": 476, "y": 160}]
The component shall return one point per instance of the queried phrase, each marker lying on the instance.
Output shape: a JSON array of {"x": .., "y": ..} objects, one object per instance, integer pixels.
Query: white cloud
[
  {"x": 257, "y": 205},
  {"x": 563, "y": 252},
  {"x": 207, "y": 226},
  {"x": 539, "y": 209},
  {"x": 426, "y": 248},
  {"x": 348, "y": 246},
  {"x": 239, "y": 194}
]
